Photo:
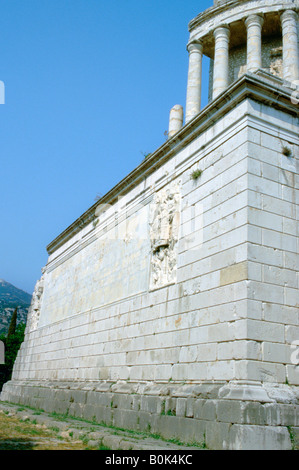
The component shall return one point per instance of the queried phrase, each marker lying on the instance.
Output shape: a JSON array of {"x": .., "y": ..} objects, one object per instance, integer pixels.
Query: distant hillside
[{"x": 10, "y": 298}]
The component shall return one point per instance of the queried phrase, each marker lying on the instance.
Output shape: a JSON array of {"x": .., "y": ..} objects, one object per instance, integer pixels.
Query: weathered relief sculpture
[
  {"x": 164, "y": 233},
  {"x": 35, "y": 307}
]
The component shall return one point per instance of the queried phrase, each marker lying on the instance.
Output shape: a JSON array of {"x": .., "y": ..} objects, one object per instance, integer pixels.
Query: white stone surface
[
  {"x": 254, "y": 25},
  {"x": 193, "y": 101},
  {"x": 231, "y": 310},
  {"x": 221, "y": 58},
  {"x": 186, "y": 273},
  {"x": 176, "y": 120},
  {"x": 289, "y": 21},
  {"x": 263, "y": 36}
]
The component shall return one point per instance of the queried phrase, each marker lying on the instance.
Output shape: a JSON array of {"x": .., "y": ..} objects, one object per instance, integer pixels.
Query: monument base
[{"x": 221, "y": 415}]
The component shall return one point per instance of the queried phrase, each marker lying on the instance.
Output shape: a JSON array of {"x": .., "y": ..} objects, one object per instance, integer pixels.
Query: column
[
  {"x": 221, "y": 60},
  {"x": 254, "y": 25},
  {"x": 289, "y": 20},
  {"x": 176, "y": 118},
  {"x": 194, "y": 80}
]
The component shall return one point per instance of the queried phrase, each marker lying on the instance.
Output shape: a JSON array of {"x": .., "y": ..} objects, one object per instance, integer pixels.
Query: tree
[
  {"x": 13, "y": 323},
  {"x": 12, "y": 343}
]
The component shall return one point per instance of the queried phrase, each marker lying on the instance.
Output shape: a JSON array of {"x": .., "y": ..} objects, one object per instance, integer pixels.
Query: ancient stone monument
[{"x": 171, "y": 305}]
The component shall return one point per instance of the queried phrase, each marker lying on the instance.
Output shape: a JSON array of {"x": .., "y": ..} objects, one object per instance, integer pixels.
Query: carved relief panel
[
  {"x": 164, "y": 235},
  {"x": 34, "y": 310}
]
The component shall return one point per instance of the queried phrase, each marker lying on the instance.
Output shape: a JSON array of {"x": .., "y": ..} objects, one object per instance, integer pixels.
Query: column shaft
[
  {"x": 176, "y": 118},
  {"x": 289, "y": 20},
  {"x": 221, "y": 60},
  {"x": 254, "y": 25},
  {"x": 194, "y": 80}
]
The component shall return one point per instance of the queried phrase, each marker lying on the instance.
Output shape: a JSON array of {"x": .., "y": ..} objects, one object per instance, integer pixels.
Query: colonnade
[{"x": 254, "y": 24}]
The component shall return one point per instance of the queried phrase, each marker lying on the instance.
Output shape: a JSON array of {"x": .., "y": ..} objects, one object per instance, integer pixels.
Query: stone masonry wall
[
  {"x": 199, "y": 341},
  {"x": 273, "y": 248},
  {"x": 231, "y": 313},
  {"x": 176, "y": 332},
  {"x": 199, "y": 414}
]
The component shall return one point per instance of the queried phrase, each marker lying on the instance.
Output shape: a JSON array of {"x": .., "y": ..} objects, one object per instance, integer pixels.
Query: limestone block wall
[
  {"x": 273, "y": 247},
  {"x": 229, "y": 311},
  {"x": 173, "y": 307},
  {"x": 100, "y": 320}
]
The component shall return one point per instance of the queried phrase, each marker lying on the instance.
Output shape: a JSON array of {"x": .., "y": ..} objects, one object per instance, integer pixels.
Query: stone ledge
[{"x": 221, "y": 416}]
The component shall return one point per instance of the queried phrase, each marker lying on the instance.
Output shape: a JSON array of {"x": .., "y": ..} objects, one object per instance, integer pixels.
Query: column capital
[
  {"x": 287, "y": 15},
  {"x": 254, "y": 19},
  {"x": 195, "y": 46},
  {"x": 223, "y": 31}
]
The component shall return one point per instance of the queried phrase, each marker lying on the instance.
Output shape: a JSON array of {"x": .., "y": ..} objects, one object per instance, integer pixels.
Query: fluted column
[
  {"x": 194, "y": 79},
  {"x": 221, "y": 60},
  {"x": 254, "y": 25},
  {"x": 289, "y": 20}
]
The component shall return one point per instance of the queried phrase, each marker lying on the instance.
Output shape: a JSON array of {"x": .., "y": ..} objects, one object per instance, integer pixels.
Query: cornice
[
  {"x": 250, "y": 85},
  {"x": 229, "y": 7},
  {"x": 211, "y": 12}
]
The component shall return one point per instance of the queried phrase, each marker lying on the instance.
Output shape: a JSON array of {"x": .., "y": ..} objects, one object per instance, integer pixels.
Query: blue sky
[{"x": 88, "y": 89}]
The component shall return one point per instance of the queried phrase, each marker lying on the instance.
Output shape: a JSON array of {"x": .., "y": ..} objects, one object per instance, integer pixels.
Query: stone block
[
  {"x": 228, "y": 411},
  {"x": 289, "y": 414},
  {"x": 276, "y": 352},
  {"x": 204, "y": 410},
  {"x": 181, "y": 407},
  {"x": 147, "y": 422},
  {"x": 217, "y": 435},
  {"x": 292, "y": 374},
  {"x": 125, "y": 419},
  {"x": 234, "y": 273},
  {"x": 260, "y": 371},
  {"x": 253, "y": 413},
  {"x": 272, "y": 414},
  {"x": 98, "y": 398},
  {"x": 151, "y": 405},
  {"x": 295, "y": 432},
  {"x": 122, "y": 401},
  {"x": 104, "y": 414},
  {"x": 186, "y": 430},
  {"x": 246, "y": 437},
  {"x": 112, "y": 442}
]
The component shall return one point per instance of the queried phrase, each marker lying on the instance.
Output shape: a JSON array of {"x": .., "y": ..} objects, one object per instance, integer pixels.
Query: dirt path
[{"x": 19, "y": 434}]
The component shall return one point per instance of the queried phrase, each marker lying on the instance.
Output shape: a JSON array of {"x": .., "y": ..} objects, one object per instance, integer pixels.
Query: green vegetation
[
  {"x": 196, "y": 174},
  {"x": 146, "y": 155},
  {"x": 19, "y": 434},
  {"x": 13, "y": 323},
  {"x": 12, "y": 342},
  {"x": 292, "y": 436},
  {"x": 118, "y": 431},
  {"x": 286, "y": 151}
]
